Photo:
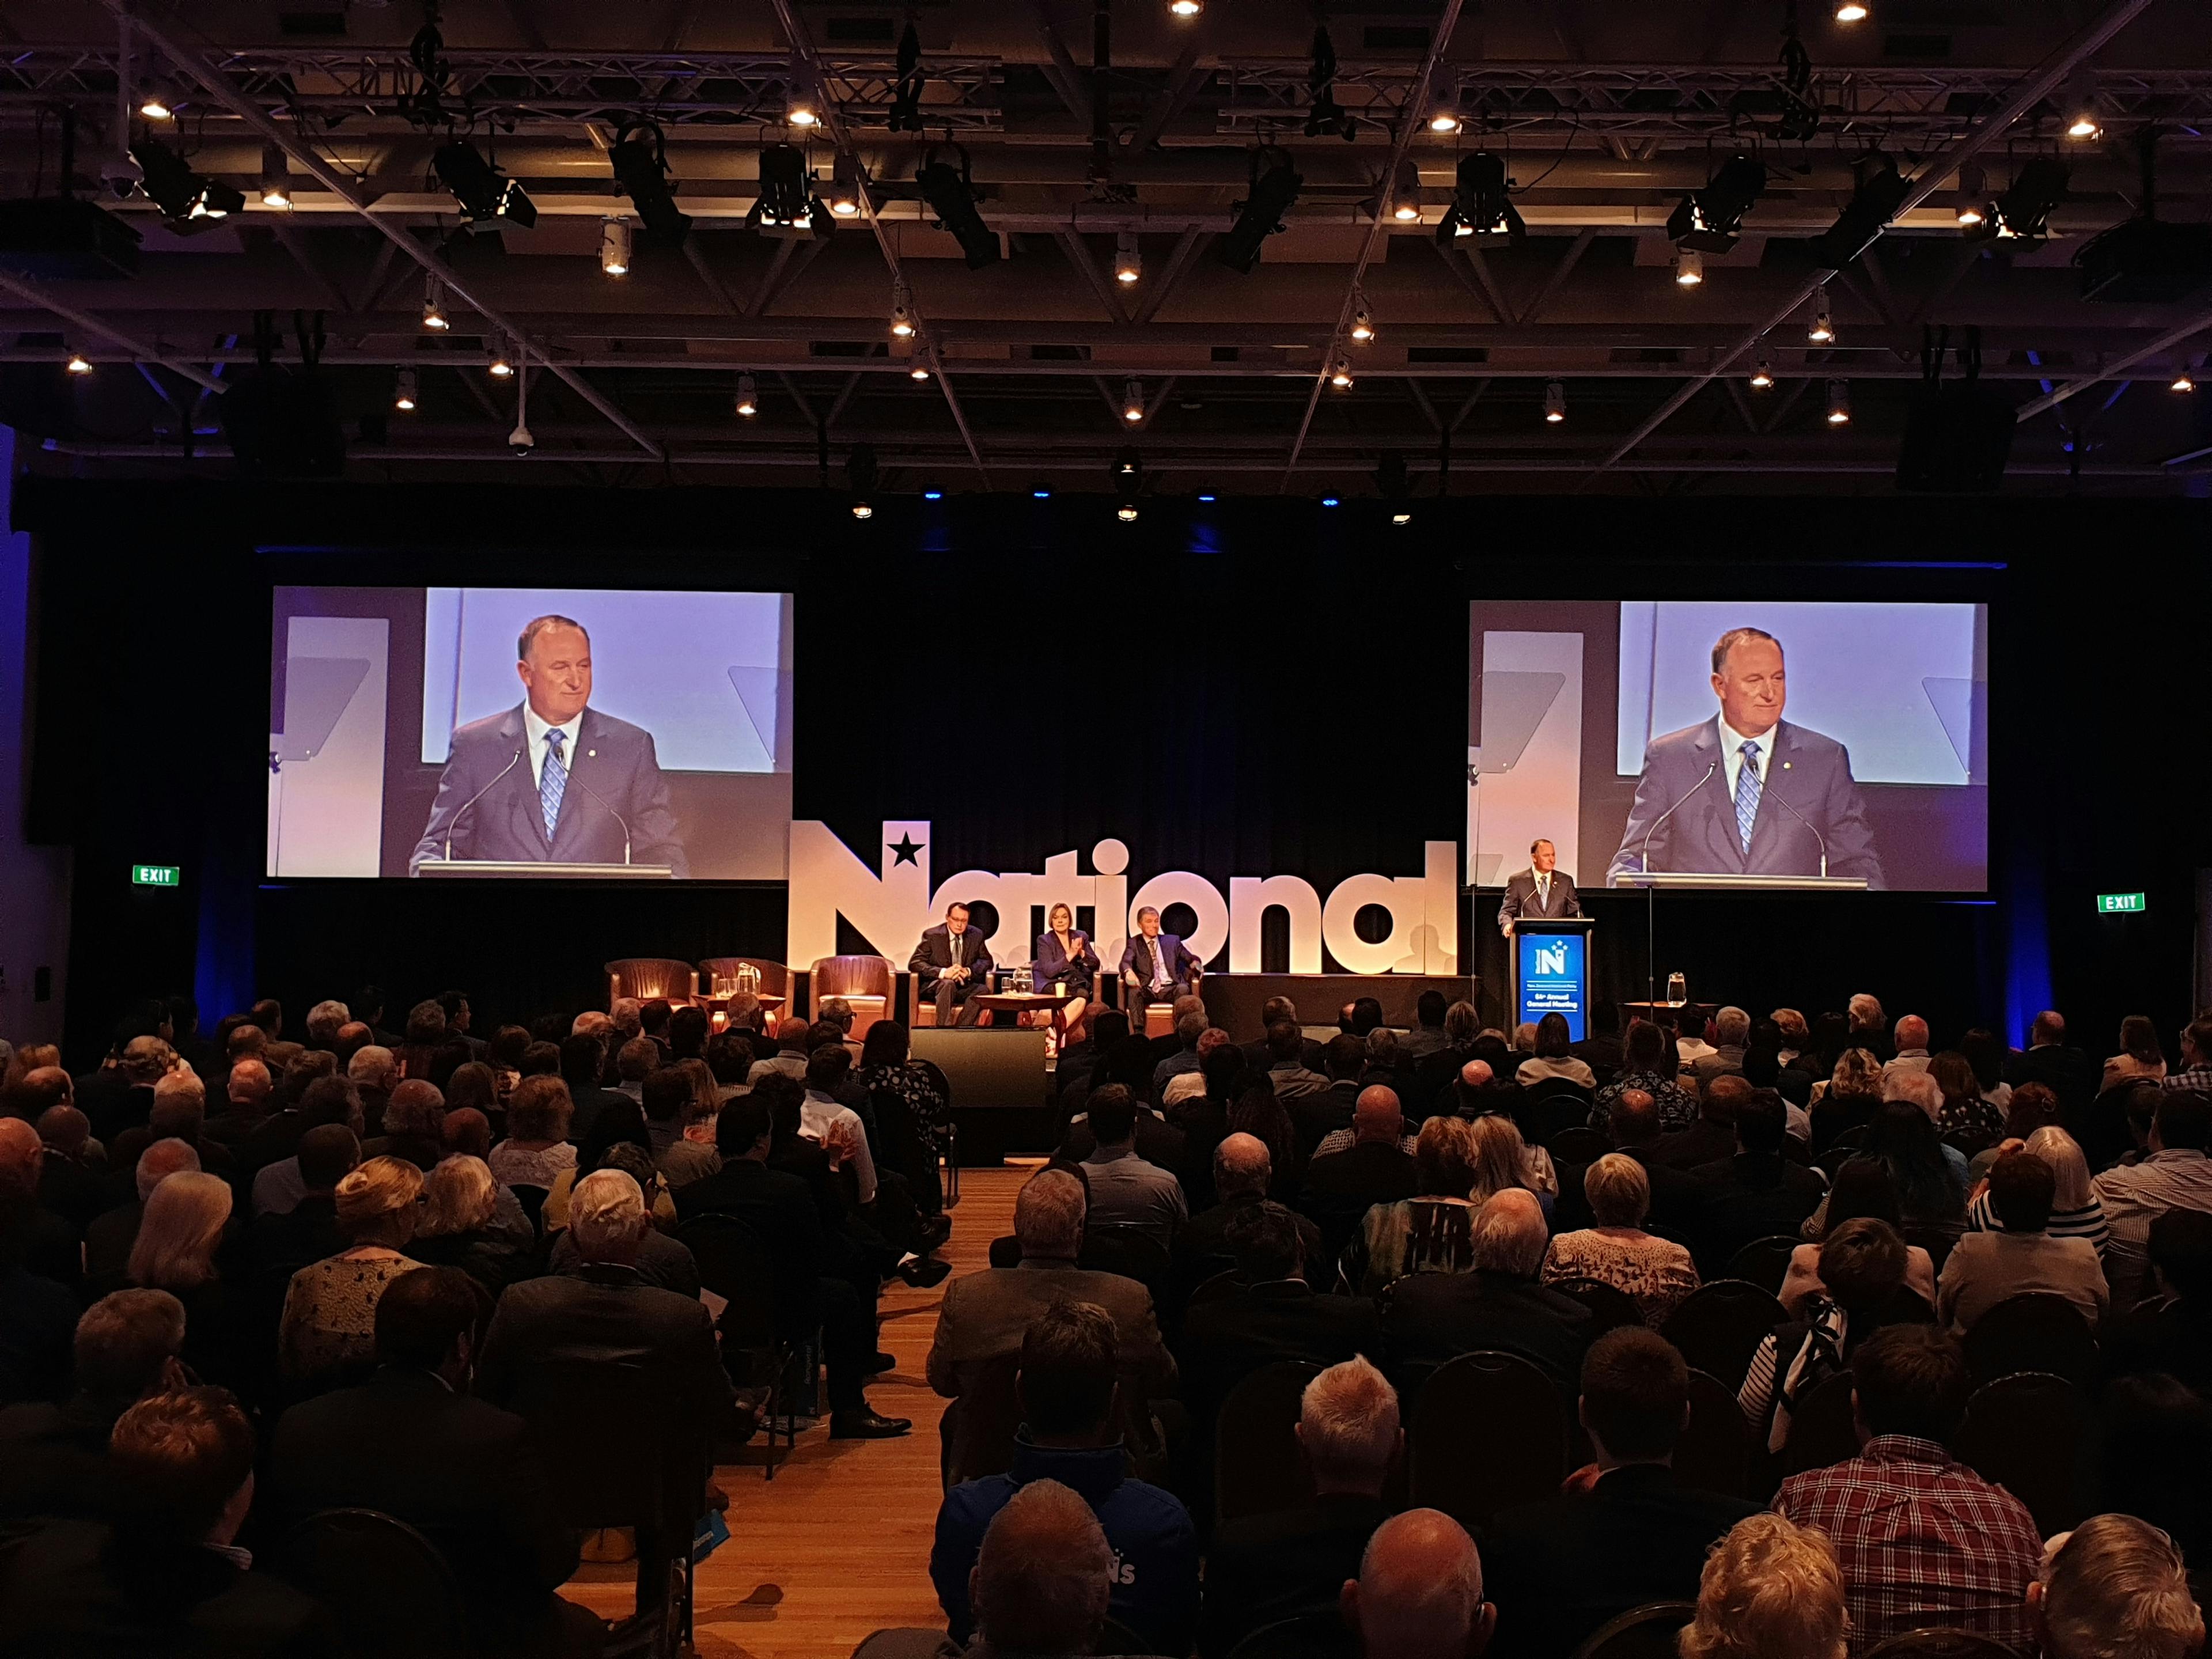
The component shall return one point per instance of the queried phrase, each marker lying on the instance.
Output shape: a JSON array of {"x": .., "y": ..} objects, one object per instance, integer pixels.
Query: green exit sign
[
  {"x": 156, "y": 875},
  {"x": 2114, "y": 904}
]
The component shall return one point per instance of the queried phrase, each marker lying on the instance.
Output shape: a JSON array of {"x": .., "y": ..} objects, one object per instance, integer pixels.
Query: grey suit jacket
[
  {"x": 1521, "y": 898},
  {"x": 984, "y": 1314},
  {"x": 612, "y": 759},
  {"x": 1808, "y": 771}
]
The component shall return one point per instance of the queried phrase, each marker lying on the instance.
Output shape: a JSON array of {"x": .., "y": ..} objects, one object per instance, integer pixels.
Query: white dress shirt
[
  {"x": 1732, "y": 743},
  {"x": 535, "y": 730}
]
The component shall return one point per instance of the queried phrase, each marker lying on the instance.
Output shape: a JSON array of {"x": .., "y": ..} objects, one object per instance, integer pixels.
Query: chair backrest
[
  {"x": 774, "y": 977},
  {"x": 533, "y": 1200},
  {"x": 1611, "y": 1308},
  {"x": 1581, "y": 1144},
  {"x": 1310, "y": 1636},
  {"x": 935, "y": 1074},
  {"x": 624, "y": 1458},
  {"x": 2034, "y": 1331},
  {"x": 1220, "y": 1283},
  {"x": 1644, "y": 1633},
  {"x": 851, "y": 976},
  {"x": 1714, "y": 1452},
  {"x": 1940, "y": 1644},
  {"x": 392, "y": 1594},
  {"x": 1467, "y": 1460},
  {"x": 647, "y": 977},
  {"x": 2035, "y": 1434},
  {"x": 1763, "y": 1262},
  {"x": 984, "y": 1426},
  {"x": 1719, "y": 1326},
  {"x": 1257, "y": 1468},
  {"x": 1131, "y": 1254},
  {"x": 1821, "y": 1431},
  {"x": 1006, "y": 1251},
  {"x": 734, "y": 1263},
  {"x": 1116, "y": 1637}
]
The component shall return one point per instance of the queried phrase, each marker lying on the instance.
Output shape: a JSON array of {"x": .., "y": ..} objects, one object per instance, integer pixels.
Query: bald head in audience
[
  {"x": 1635, "y": 1121},
  {"x": 161, "y": 1160},
  {"x": 1242, "y": 1165},
  {"x": 1041, "y": 1581},
  {"x": 1377, "y": 1115},
  {"x": 1419, "y": 1594},
  {"x": 20, "y": 1157}
]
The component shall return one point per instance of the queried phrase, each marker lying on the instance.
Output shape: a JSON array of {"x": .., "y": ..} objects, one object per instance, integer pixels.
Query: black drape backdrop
[{"x": 1250, "y": 688}]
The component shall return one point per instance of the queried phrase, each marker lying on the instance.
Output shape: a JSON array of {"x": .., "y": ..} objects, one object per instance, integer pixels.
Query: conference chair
[
  {"x": 391, "y": 1592},
  {"x": 1257, "y": 1468},
  {"x": 734, "y": 1263},
  {"x": 1940, "y": 1644},
  {"x": 1644, "y": 1633},
  {"x": 1719, "y": 1326},
  {"x": 649, "y": 977},
  {"x": 2035, "y": 1434},
  {"x": 1611, "y": 1308},
  {"x": 1557, "y": 1104},
  {"x": 1580, "y": 1145},
  {"x": 1822, "y": 1430},
  {"x": 976, "y": 1432},
  {"x": 1310, "y": 1636},
  {"x": 2036, "y": 1331},
  {"x": 1907, "y": 1306},
  {"x": 867, "y": 982},
  {"x": 1714, "y": 1454},
  {"x": 1763, "y": 1262},
  {"x": 1461, "y": 1464}
]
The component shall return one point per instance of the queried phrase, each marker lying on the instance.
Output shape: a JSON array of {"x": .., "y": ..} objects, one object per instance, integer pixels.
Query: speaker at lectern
[{"x": 1551, "y": 970}]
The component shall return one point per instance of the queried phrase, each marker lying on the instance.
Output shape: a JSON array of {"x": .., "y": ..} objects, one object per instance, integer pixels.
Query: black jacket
[
  {"x": 778, "y": 1207},
  {"x": 1201, "y": 1241},
  {"x": 609, "y": 1313},
  {"x": 1227, "y": 1338},
  {"x": 1262, "y": 1568},
  {"x": 1314, "y": 1117},
  {"x": 1559, "y": 1569},
  {"x": 77, "y": 1588},
  {"x": 2066, "y": 1071},
  {"x": 1340, "y": 1189},
  {"x": 1750, "y": 1196},
  {"x": 1430, "y": 1318}
]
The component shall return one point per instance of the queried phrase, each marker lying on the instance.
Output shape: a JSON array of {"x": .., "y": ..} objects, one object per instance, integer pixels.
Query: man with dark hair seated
[
  {"x": 1289, "y": 1059},
  {"x": 1920, "y": 1538},
  {"x": 165, "y": 1574},
  {"x": 413, "y": 1444},
  {"x": 1757, "y": 1193},
  {"x": 53, "y": 1459},
  {"x": 308, "y": 1231},
  {"x": 1318, "y": 1114},
  {"x": 1625, "y": 1533},
  {"x": 2171, "y": 1332},
  {"x": 583, "y": 1063},
  {"x": 2174, "y": 1175},
  {"x": 1127, "y": 1191},
  {"x": 1067, "y": 1387}
]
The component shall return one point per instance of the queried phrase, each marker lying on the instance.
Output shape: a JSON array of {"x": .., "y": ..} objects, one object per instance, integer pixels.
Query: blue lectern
[{"x": 1551, "y": 970}]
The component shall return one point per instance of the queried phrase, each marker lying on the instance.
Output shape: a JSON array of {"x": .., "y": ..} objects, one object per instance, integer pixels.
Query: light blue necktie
[
  {"x": 553, "y": 781},
  {"x": 1747, "y": 793}
]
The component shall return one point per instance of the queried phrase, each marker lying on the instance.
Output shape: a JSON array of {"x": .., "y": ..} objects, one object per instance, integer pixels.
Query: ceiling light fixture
[
  {"x": 488, "y": 198},
  {"x": 78, "y": 363},
  {"x": 901, "y": 312},
  {"x": 158, "y": 102},
  {"x": 2083, "y": 124},
  {"x": 614, "y": 248},
  {"x": 747, "y": 397},
  {"x": 798, "y": 110},
  {"x": 639, "y": 157},
  {"x": 2021, "y": 212},
  {"x": 1555, "y": 401},
  {"x": 1340, "y": 375},
  {"x": 190, "y": 201},
  {"x": 950, "y": 193},
  {"x": 1710, "y": 220},
  {"x": 1406, "y": 193},
  {"x": 845, "y": 187},
  {"x": 1850, "y": 11},
  {"x": 433, "y": 305},
  {"x": 275, "y": 178},
  {"x": 1881, "y": 191},
  {"x": 1481, "y": 203},
  {"x": 1762, "y": 368},
  {"x": 1363, "y": 319},
  {"x": 2183, "y": 380},
  {"x": 1689, "y": 267},
  {"x": 1274, "y": 188},
  {"x": 1821, "y": 330},
  {"x": 503, "y": 366},
  {"x": 786, "y": 204},
  {"x": 1445, "y": 122},
  {"x": 403, "y": 391},
  {"x": 919, "y": 371},
  {"x": 1133, "y": 400},
  {"x": 1128, "y": 257},
  {"x": 865, "y": 476},
  {"x": 1186, "y": 9},
  {"x": 1840, "y": 402},
  {"x": 1127, "y": 512}
]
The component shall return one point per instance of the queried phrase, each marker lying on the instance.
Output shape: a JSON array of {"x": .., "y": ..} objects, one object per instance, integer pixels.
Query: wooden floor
[{"x": 837, "y": 1545}]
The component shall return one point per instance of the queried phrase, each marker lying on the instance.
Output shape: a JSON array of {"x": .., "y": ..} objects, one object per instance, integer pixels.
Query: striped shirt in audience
[{"x": 2087, "y": 1221}]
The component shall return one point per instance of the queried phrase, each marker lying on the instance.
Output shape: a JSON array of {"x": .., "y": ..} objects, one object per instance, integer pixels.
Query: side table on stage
[
  {"x": 718, "y": 1008},
  {"x": 1028, "y": 1002}
]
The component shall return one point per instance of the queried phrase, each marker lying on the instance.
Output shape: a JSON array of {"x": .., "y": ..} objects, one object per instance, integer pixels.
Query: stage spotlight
[
  {"x": 1040, "y": 493},
  {"x": 403, "y": 391},
  {"x": 78, "y": 363},
  {"x": 950, "y": 193},
  {"x": 488, "y": 198},
  {"x": 1128, "y": 258},
  {"x": 1555, "y": 401},
  {"x": 639, "y": 157},
  {"x": 1850, "y": 11},
  {"x": 901, "y": 312},
  {"x": 2183, "y": 380},
  {"x": 2083, "y": 124},
  {"x": 189, "y": 201},
  {"x": 1133, "y": 400},
  {"x": 747, "y": 397},
  {"x": 919, "y": 371},
  {"x": 862, "y": 472},
  {"x": 275, "y": 178},
  {"x": 1274, "y": 187},
  {"x": 799, "y": 111},
  {"x": 1363, "y": 320},
  {"x": 1324, "y": 115},
  {"x": 434, "y": 306},
  {"x": 1479, "y": 204},
  {"x": 1881, "y": 191},
  {"x": 2022, "y": 212},
  {"x": 1710, "y": 220},
  {"x": 1339, "y": 376},
  {"x": 1974, "y": 198},
  {"x": 158, "y": 102},
  {"x": 1762, "y": 368},
  {"x": 1127, "y": 512},
  {"x": 845, "y": 188},
  {"x": 1840, "y": 402},
  {"x": 1445, "y": 122},
  {"x": 1406, "y": 193},
  {"x": 1186, "y": 9},
  {"x": 1821, "y": 330},
  {"x": 862, "y": 510},
  {"x": 502, "y": 365},
  {"x": 614, "y": 248},
  {"x": 786, "y": 202},
  {"x": 1689, "y": 267}
]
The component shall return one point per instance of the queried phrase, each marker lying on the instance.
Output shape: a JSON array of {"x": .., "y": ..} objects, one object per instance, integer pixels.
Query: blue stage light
[
  {"x": 932, "y": 495},
  {"x": 1041, "y": 495},
  {"x": 1205, "y": 496},
  {"x": 1328, "y": 501}
]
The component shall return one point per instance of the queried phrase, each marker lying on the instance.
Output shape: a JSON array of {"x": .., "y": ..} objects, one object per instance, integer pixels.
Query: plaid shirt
[
  {"x": 1923, "y": 1541},
  {"x": 2198, "y": 1078}
]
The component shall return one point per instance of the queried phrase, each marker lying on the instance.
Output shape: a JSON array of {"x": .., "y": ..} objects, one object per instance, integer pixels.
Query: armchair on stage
[{"x": 649, "y": 977}]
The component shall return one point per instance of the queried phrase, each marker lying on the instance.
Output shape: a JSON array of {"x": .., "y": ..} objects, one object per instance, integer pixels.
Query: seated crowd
[{"x": 1763, "y": 1321}]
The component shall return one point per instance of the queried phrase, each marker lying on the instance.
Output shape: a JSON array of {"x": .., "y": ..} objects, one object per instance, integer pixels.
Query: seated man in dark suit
[
  {"x": 1433, "y": 1072},
  {"x": 1272, "y": 1314},
  {"x": 163, "y": 1576},
  {"x": 309, "y": 1230},
  {"x": 1429, "y": 1318},
  {"x": 1758, "y": 1194},
  {"x": 1262, "y": 1568},
  {"x": 1342, "y": 1185},
  {"x": 1636, "y": 1132},
  {"x": 1158, "y": 967},
  {"x": 1316, "y": 1116},
  {"x": 413, "y": 1444},
  {"x": 1712, "y": 1136},
  {"x": 54, "y": 1458},
  {"x": 583, "y": 1063},
  {"x": 949, "y": 964},
  {"x": 1625, "y": 1533},
  {"x": 2057, "y": 1064},
  {"x": 778, "y": 1207},
  {"x": 1242, "y": 1171},
  {"x": 1262, "y": 1053}
]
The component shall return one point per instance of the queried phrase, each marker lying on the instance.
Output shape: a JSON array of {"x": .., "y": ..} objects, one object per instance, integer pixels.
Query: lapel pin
[
  {"x": 1786, "y": 765},
  {"x": 593, "y": 754}
]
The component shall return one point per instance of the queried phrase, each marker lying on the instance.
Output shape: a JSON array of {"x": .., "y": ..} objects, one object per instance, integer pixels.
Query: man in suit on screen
[
  {"x": 1542, "y": 890},
  {"x": 553, "y": 781},
  {"x": 1747, "y": 793}
]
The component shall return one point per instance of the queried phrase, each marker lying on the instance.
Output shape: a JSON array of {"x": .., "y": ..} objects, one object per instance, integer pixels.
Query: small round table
[
  {"x": 1028, "y": 1002},
  {"x": 718, "y": 1008}
]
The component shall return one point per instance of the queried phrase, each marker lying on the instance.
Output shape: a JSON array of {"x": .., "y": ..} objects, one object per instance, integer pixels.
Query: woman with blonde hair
[
  {"x": 1655, "y": 1273},
  {"x": 460, "y": 1226},
  {"x": 2075, "y": 1210},
  {"x": 1770, "y": 1589},
  {"x": 327, "y": 1336},
  {"x": 180, "y": 1239}
]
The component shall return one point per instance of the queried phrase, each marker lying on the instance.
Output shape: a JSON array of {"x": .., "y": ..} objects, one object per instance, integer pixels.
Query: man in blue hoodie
[{"x": 1065, "y": 1385}]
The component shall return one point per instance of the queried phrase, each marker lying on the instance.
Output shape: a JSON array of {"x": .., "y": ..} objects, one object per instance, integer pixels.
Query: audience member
[
  {"x": 1430, "y": 1317},
  {"x": 2057, "y": 1065},
  {"x": 539, "y": 1117},
  {"x": 1427, "y": 1232},
  {"x": 1862, "y": 1266},
  {"x": 1771, "y": 1590},
  {"x": 1920, "y": 1538},
  {"x": 41, "y": 1241},
  {"x": 327, "y": 1338},
  {"x": 53, "y": 1457},
  {"x": 2173, "y": 1331},
  {"x": 1562, "y": 1567},
  {"x": 309, "y": 1230},
  {"x": 1290, "y": 1563},
  {"x": 1379, "y": 1163},
  {"x": 1863, "y": 1190},
  {"x": 1655, "y": 1273},
  {"x": 1712, "y": 1138},
  {"x": 2020, "y": 1258},
  {"x": 108, "y": 1240},
  {"x": 1241, "y": 1174},
  {"x": 1420, "y": 1593},
  {"x": 176, "y": 1250},
  {"x": 1065, "y": 1385},
  {"x": 460, "y": 1226},
  {"x": 1757, "y": 1193},
  {"x": 2115, "y": 1585},
  {"x": 2076, "y": 1211},
  {"x": 1554, "y": 1057},
  {"x": 1646, "y": 1068},
  {"x": 2140, "y": 1059},
  {"x": 2175, "y": 1176},
  {"x": 1846, "y": 1098},
  {"x": 415, "y": 1118},
  {"x": 1731, "y": 1037},
  {"x": 1126, "y": 1191},
  {"x": 2195, "y": 1072}
]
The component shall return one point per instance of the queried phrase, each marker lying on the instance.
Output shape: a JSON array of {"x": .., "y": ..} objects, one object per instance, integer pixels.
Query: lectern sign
[
  {"x": 1552, "y": 975},
  {"x": 2113, "y": 904}
]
